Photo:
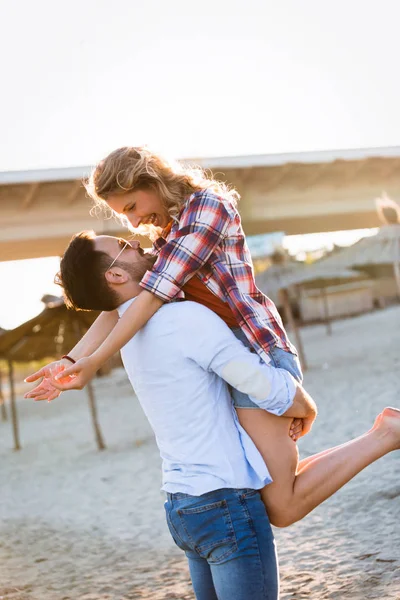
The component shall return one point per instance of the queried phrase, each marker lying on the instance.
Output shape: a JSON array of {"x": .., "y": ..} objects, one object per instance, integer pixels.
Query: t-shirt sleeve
[{"x": 203, "y": 225}]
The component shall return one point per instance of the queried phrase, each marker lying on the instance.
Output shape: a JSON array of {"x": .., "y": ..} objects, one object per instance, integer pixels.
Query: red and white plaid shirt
[{"x": 209, "y": 241}]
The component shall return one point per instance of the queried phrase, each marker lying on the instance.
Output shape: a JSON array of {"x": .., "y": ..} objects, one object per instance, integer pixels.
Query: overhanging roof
[
  {"x": 219, "y": 162},
  {"x": 294, "y": 193}
]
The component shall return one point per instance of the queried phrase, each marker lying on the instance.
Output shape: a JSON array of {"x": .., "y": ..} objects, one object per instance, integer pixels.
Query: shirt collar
[{"x": 122, "y": 307}]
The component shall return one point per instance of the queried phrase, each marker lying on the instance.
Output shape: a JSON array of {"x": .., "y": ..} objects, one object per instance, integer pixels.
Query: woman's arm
[
  {"x": 134, "y": 318},
  {"x": 95, "y": 335},
  {"x": 203, "y": 226},
  {"x": 90, "y": 342}
]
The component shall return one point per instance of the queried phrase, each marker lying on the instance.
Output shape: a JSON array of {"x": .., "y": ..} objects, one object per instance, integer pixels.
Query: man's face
[{"x": 132, "y": 257}]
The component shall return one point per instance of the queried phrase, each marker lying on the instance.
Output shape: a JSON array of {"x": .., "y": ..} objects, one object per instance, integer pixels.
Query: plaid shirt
[{"x": 209, "y": 241}]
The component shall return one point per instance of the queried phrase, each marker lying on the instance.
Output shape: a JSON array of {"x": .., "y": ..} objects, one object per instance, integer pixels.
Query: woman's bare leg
[
  {"x": 294, "y": 492},
  {"x": 305, "y": 461}
]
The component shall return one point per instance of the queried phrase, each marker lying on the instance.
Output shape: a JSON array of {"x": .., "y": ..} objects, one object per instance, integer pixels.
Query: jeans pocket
[
  {"x": 249, "y": 493},
  {"x": 210, "y": 530}
]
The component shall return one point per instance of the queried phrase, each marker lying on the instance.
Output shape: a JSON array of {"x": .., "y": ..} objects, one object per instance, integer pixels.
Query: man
[{"x": 180, "y": 365}]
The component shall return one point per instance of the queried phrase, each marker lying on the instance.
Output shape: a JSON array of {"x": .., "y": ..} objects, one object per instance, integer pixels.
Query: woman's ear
[{"x": 116, "y": 276}]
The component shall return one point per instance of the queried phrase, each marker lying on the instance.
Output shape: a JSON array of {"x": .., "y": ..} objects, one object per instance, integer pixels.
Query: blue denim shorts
[{"x": 279, "y": 358}]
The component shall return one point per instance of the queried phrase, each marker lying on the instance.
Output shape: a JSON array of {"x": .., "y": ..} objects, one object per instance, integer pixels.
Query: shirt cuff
[
  {"x": 162, "y": 285},
  {"x": 283, "y": 391},
  {"x": 291, "y": 386}
]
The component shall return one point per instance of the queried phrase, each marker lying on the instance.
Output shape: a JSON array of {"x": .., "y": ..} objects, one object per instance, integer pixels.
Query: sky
[
  {"x": 191, "y": 79},
  {"x": 205, "y": 78}
]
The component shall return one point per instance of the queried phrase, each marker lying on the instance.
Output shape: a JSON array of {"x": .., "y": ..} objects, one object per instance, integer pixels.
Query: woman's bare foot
[{"x": 388, "y": 423}]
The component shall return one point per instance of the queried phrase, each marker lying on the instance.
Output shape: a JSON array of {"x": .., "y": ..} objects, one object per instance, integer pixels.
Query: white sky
[
  {"x": 217, "y": 77},
  {"x": 83, "y": 77}
]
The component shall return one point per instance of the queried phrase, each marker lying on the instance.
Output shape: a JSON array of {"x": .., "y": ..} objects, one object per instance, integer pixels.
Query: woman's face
[{"x": 141, "y": 207}]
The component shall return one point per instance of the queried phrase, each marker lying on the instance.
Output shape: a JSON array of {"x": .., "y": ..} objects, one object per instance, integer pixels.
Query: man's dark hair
[{"x": 82, "y": 275}]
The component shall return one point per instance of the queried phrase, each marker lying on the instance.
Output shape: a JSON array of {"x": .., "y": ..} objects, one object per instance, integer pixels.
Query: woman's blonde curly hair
[{"x": 128, "y": 169}]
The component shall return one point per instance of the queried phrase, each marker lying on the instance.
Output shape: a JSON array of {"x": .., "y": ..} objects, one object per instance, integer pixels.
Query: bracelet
[{"x": 69, "y": 358}]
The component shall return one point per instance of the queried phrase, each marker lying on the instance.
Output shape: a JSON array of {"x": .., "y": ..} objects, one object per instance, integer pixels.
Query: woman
[{"x": 203, "y": 256}]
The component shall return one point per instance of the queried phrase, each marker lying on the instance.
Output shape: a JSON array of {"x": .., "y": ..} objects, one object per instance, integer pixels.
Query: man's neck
[{"x": 132, "y": 292}]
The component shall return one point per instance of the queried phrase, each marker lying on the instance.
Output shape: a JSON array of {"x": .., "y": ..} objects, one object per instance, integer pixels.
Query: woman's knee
[
  {"x": 282, "y": 518},
  {"x": 281, "y": 514}
]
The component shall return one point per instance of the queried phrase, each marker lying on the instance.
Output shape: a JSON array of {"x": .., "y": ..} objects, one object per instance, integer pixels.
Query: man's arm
[
  {"x": 303, "y": 406},
  {"x": 210, "y": 343}
]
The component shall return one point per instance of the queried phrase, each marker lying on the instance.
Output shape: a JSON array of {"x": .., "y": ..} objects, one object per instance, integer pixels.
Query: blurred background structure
[
  {"x": 49, "y": 335},
  {"x": 297, "y": 193},
  {"x": 377, "y": 256}
]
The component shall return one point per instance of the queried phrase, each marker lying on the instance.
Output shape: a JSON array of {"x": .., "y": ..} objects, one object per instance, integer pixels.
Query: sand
[{"x": 78, "y": 524}]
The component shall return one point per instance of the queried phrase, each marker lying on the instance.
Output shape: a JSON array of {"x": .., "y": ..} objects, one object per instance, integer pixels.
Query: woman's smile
[{"x": 141, "y": 207}]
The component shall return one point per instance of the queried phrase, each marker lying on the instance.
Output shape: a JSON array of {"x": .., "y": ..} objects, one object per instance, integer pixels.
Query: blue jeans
[
  {"x": 279, "y": 358},
  {"x": 227, "y": 538}
]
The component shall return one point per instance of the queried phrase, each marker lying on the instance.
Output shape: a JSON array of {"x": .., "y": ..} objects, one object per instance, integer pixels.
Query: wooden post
[
  {"x": 92, "y": 401},
  {"x": 93, "y": 411},
  {"x": 396, "y": 267},
  {"x": 14, "y": 414},
  {"x": 2, "y": 400},
  {"x": 327, "y": 318},
  {"x": 293, "y": 326}
]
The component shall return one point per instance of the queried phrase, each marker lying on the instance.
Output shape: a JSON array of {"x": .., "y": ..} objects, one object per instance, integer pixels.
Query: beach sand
[{"x": 78, "y": 524}]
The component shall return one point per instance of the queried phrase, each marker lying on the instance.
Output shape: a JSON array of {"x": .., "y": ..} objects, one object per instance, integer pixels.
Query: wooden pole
[
  {"x": 293, "y": 326},
  {"x": 2, "y": 400},
  {"x": 93, "y": 411},
  {"x": 396, "y": 266},
  {"x": 92, "y": 401},
  {"x": 327, "y": 318},
  {"x": 14, "y": 414}
]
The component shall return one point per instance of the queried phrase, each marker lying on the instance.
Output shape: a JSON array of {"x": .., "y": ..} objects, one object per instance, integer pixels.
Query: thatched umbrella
[
  {"x": 51, "y": 333},
  {"x": 279, "y": 278},
  {"x": 375, "y": 255}
]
